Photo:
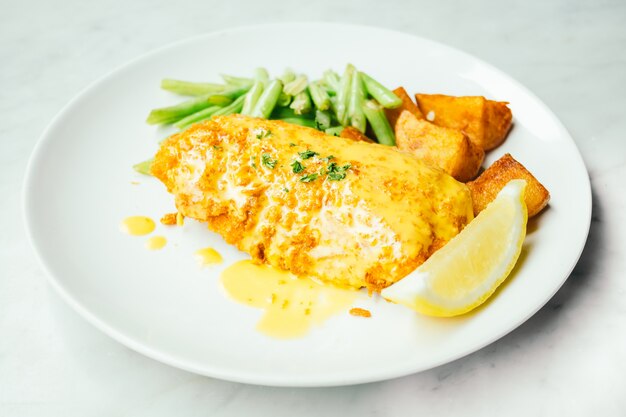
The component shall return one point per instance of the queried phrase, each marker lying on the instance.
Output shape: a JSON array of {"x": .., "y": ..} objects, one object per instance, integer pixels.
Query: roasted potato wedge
[
  {"x": 355, "y": 134},
  {"x": 407, "y": 105},
  {"x": 448, "y": 149},
  {"x": 485, "y": 188},
  {"x": 485, "y": 122}
]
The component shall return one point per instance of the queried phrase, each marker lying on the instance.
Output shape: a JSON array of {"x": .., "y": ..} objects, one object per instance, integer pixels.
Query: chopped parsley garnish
[
  {"x": 267, "y": 160},
  {"x": 328, "y": 158},
  {"x": 307, "y": 154},
  {"x": 297, "y": 167},
  {"x": 292, "y": 144},
  {"x": 336, "y": 176},
  {"x": 264, "y": 134},
  {"x": 217, "y": 147},
  {"x": 286, "y": 189},
  {"x": 252, "y": 162},
  {"x": 337, "y": 173},
  {"x": 309, "y": 177}
]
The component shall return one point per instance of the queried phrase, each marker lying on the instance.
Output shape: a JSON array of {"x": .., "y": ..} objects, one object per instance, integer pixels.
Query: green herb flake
[
  {"x": 309, "y": 177},
  {"x": 264, "y": 134},
  {"x": 336, "y": 176},
  {"x": 292, "y": 144},
  {"x": 307, "y": 154},
  {"x": 252, "y": 162},
  {"x": 267, "y": 160},
  {"x": 286, "y": 189},
  {"x": 328, "y": 158},
  {"x": 297, "y": 167},
  {"x": 337, "y": 173}
]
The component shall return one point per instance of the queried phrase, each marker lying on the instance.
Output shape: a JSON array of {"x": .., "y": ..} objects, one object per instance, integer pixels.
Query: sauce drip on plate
[
  {"x": 138, "y": 225},
  {"x": 156, "y": 242},
  {"x": 291, "y": 305},
  {"x": 208, "y": 256}
]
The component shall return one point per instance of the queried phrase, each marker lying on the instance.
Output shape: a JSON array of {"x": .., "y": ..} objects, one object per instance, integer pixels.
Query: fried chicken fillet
[{"x": 355, "y": 214}]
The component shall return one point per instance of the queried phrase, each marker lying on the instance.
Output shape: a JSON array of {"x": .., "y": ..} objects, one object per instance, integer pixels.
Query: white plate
[{"x": 78, "y": 189}]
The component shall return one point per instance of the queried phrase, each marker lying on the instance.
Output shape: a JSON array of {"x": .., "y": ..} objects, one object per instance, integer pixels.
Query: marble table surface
[{"x": 566, "y": 360}]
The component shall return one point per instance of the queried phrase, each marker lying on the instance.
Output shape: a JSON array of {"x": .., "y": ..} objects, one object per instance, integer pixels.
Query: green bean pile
[{"x": 328, "y": 104}]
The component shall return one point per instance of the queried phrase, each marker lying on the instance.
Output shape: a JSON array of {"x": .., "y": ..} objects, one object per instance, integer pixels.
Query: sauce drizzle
[
  {"x": 291, "y": 305},
  {"x": 156, "y": 242},
  {"x": 137, "y": 225},
  {"x": 208, "y": 256}
]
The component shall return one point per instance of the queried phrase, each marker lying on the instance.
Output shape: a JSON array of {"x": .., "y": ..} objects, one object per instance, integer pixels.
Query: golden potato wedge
[
  {"x": 355, "y": 134},
  {"x": 407, "y": 104},
  {"x": 485, "y": 122},
  {"x": 448, "y": 149},
  {"x": 485, "y": 188}
]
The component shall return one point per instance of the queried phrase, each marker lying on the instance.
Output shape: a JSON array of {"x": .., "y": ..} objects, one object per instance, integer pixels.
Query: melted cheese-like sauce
[
  {"x": 138, "y": 225},
  {"x": 291, "y": 305},
  {"x": 156, "y": 242},
  {"x": 370, "y": 228},
  {"x": 208, "y": 256}
]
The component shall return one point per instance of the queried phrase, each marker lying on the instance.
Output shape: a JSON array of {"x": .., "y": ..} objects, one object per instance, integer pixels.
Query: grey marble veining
[{"x": 568, "y": 359}]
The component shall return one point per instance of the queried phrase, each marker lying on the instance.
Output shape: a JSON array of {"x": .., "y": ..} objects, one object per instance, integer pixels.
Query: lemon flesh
[{"x": 467, "y": 270}]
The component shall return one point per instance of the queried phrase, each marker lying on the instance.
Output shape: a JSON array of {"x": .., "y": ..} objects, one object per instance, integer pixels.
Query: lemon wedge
[{"x": 467, "y": 270}]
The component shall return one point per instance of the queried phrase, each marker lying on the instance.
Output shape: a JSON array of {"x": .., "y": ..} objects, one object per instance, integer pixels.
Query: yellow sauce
[
  {"x": 137, "y": 225},
  {"x": 208, "y": 256},
  {"x": 156, "y": 242},
  {"x": 292, "y": 305}
]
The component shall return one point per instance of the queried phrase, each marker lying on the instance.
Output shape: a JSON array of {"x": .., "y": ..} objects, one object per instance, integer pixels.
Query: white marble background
[{"x": 569, "y": 359}]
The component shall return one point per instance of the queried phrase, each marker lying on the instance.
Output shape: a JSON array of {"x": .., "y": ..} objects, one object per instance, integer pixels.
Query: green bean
[
  {"x": 319, "y": 96},
  {"x": 196, "y": 117},
  {"x": 188, "y": 88},
  {"x": 288, "y": 76},
  {"x": 261, "y": 74},
  {"x": 144, "y": 167},
  {"x": 287, "y": 113},
  {"x": 343, "y": 94},
  {"x": 301, "y": 121},
  {"x": 296, "y": 86},
  {"x": 252, "y": 97},
  {"x": 333, "y": 104},
  {"x": 334, "y": 131},
  {"x": 237, "y": 81},
  {"x": 301, "y": 103},
  {"x": 382, "y": 94},
  {"x": 220, "y": 100},
  {"x": 355, "y": 104},
  {"x": 323, "y": 119},
  {"x": 232, "y": 108},
  {"x": 284, "y": 100},
  {"x": 171, "y": 114},
  {"x": 268, "y": 99},
  {"x": 378, "y": 120},
  {"x": 331, "y": 80}
]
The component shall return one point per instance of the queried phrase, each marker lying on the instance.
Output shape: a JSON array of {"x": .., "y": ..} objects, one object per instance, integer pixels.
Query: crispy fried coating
[
  {"x": 353, "y": 213},
  {"x": 169, "y": 219},
  {"x": 355, "y": 134}
]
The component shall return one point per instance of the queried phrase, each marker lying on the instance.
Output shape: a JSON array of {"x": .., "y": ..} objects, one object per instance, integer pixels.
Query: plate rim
[{"x": 253, "y": 378}]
